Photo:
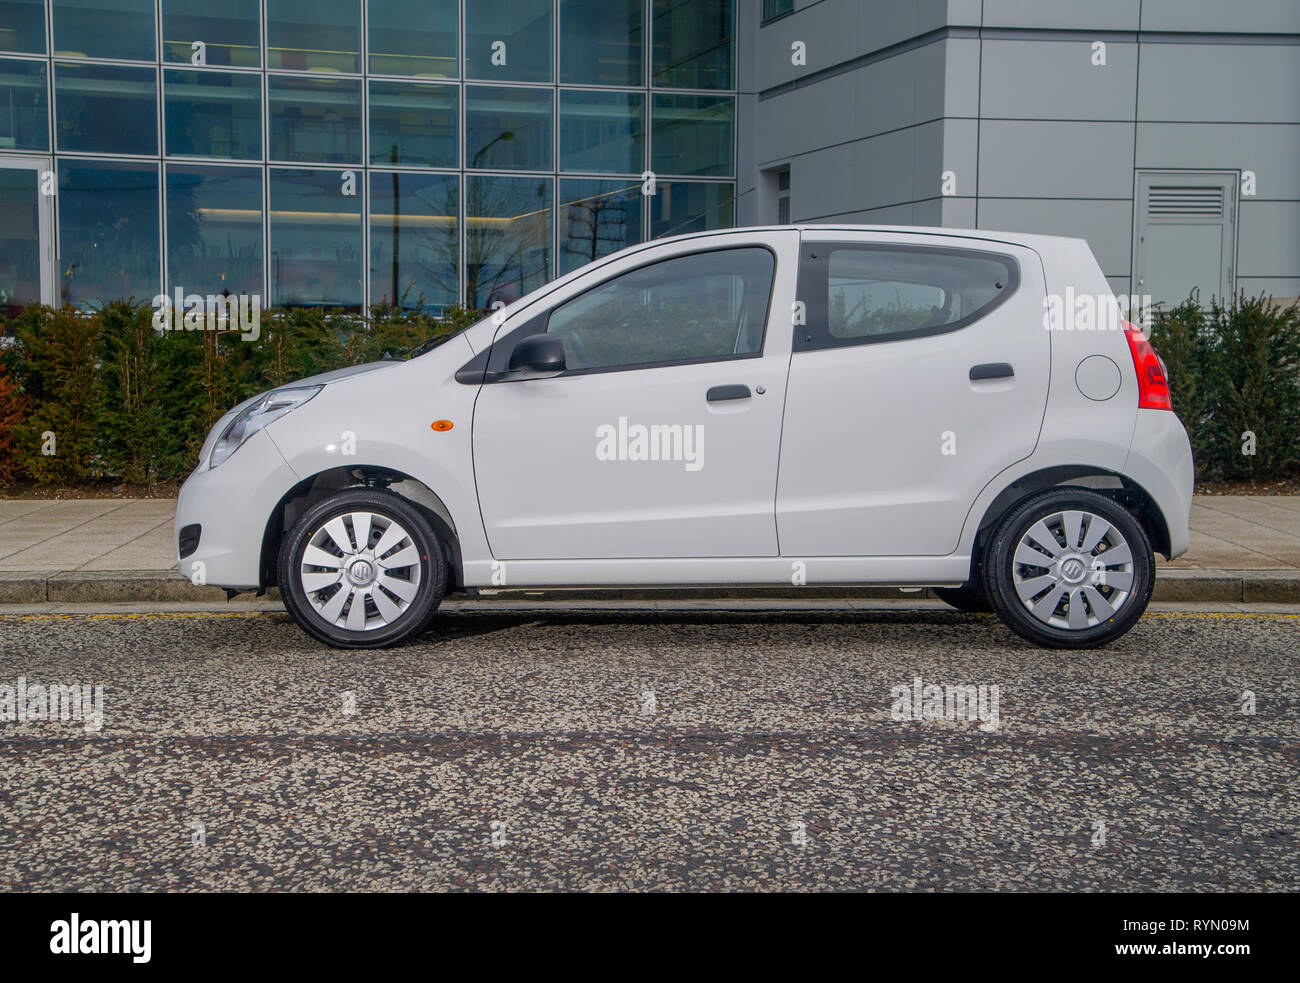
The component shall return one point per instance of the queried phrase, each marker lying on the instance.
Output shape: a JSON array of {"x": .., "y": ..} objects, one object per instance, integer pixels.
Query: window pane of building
[
  {"x": 602, "y": 131},
  {"x": 315, "y": 236},
  {"x": 414, "y": 247},
  {"x": 508, "y": 40},
  {"x": 602, "y": 42},
  {"x": 106, "y": 109},
  {"x": 692, "y": 134},
  {"x": 229, "y": 32},
  {"x": 508, "y": 128},
  {"x": 507, "y": 237},
  {"x": 775, "y": 8},
  {"x": 22, "y": 26},
  {"x": 24, "y": 118},
  {"x": 122, "y": 29},
  {"x": 212, "y": 114},
  {"x": 692, "y": 46},
  {"x": 678, "y": 207},
  {"x": 20, "y": 243},
  {"x": 316, "y": 120},
  {"x": 313, "y": 35},
  {"x": 597, "y": 218},
  {"x": 412, "y": 123},
  {"x": 413, "y": 37},
  {"x": 214, "y": 229},
  {"x": 108, "y": 253}
]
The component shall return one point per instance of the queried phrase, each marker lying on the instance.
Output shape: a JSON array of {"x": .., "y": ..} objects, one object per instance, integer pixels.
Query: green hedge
[
  {"x": 1234, "y": 371},
  {"x": 128, "y": 403}
]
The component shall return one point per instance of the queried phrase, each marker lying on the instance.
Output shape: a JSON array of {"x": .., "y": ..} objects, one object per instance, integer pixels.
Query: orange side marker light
[{"x": 442, "y": 425}]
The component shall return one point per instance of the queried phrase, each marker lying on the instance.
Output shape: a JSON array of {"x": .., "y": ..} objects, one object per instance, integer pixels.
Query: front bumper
[{"x": 232, "y": 503}]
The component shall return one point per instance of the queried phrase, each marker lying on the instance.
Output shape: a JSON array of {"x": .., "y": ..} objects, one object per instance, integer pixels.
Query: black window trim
[
  {"x": 814, "y": 283},
  {"x": 483, "y": 367}
]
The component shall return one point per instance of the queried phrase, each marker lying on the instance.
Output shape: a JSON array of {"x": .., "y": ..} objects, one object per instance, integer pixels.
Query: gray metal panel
[
  {"x": 957, "y": 153},
  {"x": 828, "y": 31},
  {"x": 1108, "y": 15},
  {"x": 1066, "y": 85},
  {"x": 823, "y": 183},
  {"x": 1048, "y": 159},
  {"x": 890, "y": 169},
  {"x": 1105, "y": 224},
  {"x": 1181, "y": 246},
  {"x": 1283, "y": 289},
  {"x": 1272, "y": 151},
  {"x": 1240, "y": 16},
  {"x": 961, "y": 77},
  {"x": 1269, "y": 238},
  {"x": 797, "y": 121},
  {"x": 955, "y": 213},
  {"x": 1228, "y": 83},
  {"x": 1118, "y": 285},
  {"x": 894, "y": 215}
]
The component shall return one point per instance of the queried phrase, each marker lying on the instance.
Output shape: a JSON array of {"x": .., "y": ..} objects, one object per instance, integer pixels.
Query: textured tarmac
[{"x": 521, "y": 750}]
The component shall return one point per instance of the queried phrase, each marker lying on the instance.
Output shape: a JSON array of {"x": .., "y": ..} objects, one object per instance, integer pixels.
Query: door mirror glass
[{"x": 538, "y": 356}]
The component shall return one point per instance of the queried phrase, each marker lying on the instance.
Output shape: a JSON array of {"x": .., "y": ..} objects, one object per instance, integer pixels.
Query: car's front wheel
[
  {"x": 1070, "y": 568},
  {"x": 362, "y": 569}
]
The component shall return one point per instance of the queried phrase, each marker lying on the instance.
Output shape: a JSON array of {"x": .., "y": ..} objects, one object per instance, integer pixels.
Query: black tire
[
  {"x": 432, "y": 566},
  {"x": 1001, "y": 569},
  {"x": 971, "y": 597}
]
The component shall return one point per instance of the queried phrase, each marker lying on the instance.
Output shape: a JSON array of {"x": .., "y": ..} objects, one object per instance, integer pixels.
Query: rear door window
[{"x": 859, "y": 293}]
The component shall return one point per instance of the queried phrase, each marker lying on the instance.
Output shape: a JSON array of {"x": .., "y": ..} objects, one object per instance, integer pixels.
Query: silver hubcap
[
  {"x": 360, "y": 571},
  {"x": 1073, "y": 570}
]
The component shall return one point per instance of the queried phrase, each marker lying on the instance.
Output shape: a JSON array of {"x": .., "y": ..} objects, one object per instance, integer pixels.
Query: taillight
[{"x": 1153, "y": 386}]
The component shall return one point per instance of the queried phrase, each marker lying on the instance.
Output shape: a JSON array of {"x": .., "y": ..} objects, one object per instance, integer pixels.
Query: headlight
[{"x": 267, "y": 409}]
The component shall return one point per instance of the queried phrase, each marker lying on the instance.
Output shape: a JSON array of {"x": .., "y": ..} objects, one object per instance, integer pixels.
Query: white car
[{"x": 763, "y": 406}]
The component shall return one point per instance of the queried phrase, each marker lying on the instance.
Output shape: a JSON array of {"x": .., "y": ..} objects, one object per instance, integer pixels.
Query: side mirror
[{"x": 538, "y": 356}]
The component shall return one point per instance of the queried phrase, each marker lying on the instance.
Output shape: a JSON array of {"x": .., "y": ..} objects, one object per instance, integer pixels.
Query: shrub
[
  {"x": 1235, "y": 372},
  {"x": 126, "y": 402}
]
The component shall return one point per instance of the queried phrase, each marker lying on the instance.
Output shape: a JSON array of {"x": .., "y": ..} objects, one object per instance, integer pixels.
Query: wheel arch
[
  {"x": 1120, "y": 487},
  {"x": 323, "y": 484}
]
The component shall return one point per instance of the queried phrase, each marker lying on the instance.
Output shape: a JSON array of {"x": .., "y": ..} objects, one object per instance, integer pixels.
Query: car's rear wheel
[
  {"x": 1070, "y": 568},
  {"x": 362, "y": 569}
]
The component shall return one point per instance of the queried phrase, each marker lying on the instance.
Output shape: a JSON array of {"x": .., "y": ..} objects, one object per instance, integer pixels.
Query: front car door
[
  {"x": 921, "y": 372},
  {"x": 661, "y": 438}
]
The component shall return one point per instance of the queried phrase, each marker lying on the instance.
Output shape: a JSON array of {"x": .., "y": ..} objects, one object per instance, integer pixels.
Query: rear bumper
[
  {"x": 232, "y": 504},
  {"x": 1160, "y": 460}
]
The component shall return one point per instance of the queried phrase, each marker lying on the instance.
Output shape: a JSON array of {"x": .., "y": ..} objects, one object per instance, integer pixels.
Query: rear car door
[
  {"x": 662, "y": 436},
  {"x": 920, "y": 373}
]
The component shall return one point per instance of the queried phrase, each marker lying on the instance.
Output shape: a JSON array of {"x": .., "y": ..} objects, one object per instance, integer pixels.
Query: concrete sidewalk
[{"x": 1244, "y": 549}]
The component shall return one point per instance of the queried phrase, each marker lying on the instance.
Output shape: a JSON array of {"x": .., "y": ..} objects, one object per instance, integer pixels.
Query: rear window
[{"x": 861, "y": 293}]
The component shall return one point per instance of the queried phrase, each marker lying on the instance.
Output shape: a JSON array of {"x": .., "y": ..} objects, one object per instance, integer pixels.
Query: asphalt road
[{"x": 523, "y": 751}]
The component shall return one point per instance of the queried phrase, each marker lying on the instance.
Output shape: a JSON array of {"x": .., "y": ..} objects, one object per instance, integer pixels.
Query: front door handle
[
  {"x": 991, "y": 370},
  {"x": 737, "y": 391}
]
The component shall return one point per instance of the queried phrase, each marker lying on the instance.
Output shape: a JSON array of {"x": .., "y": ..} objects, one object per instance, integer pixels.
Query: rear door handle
[
  {"x": 737, "y": 391},
  {"x": 991, "y": 370}
]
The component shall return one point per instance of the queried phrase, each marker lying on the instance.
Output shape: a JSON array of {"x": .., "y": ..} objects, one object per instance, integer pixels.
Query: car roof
[{"x": 1028, "y": 239}]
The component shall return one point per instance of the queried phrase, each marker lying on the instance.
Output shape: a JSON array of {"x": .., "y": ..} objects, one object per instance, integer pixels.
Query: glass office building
[{"x": 350, "y": 152}]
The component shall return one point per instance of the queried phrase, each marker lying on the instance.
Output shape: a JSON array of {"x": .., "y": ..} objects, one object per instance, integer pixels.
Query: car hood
[{"x": 337, "y": 374}]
